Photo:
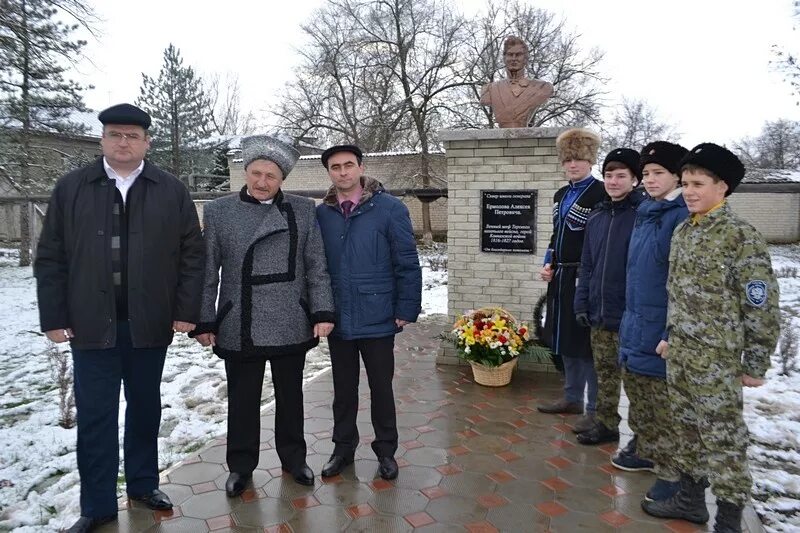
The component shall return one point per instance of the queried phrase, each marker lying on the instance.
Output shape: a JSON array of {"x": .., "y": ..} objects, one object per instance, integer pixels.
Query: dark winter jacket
[
  {"x": 645, "y": 319},
  {"x": 601, "y": 276},
  {"x": 561, "y": 332},
  {"x": 73, "y": 261},
  {"x": 373, "y": 263},
  {"x": 273, "y": 285}
]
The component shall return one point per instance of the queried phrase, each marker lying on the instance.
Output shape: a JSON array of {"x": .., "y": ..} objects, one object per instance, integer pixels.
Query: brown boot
[{"x": 561, "y": 406}]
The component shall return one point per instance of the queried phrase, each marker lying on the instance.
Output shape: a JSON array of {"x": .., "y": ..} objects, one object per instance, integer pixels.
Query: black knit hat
[
  {"x": 352, "y": 148},
  {"x": 718, "y": 160},
  {"x": 626, "y": 156},
  {"x": 663, "y": 153},
  {"x": 124, "y": 115}
]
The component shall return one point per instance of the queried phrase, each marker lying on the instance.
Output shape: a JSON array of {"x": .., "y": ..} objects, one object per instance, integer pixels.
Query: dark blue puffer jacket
[
  {"x": 645, "y": 320},
  {"x": 372, "y": 262},
  {"x": 601, "y": 278}
]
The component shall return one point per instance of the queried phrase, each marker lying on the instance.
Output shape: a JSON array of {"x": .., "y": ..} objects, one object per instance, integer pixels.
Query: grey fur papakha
[
  {"x": 605, "y": 350},
  {"x": 266, "y": 147},
  {"x": 724, "y": 322},
  {"x": 650, "y": 417}
]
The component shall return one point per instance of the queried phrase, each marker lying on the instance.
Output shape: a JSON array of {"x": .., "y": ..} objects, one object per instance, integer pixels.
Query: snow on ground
[
  {"x": 39, "y": 485},
  {"x": 772, "y": 413},
  {"x": 37, "y": 457}
]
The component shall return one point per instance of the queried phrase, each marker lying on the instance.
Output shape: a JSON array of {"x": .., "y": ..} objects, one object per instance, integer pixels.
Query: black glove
[{"x": 583, "y": 320}]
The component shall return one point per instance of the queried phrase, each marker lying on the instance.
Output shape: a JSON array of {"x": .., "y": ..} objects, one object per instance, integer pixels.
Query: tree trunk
[
  {"x": 25, "y": 236},
  {"x": 427, "y": 232},
  {"x": 25, "y": 142},
  {"x": 425, "y": 174}
]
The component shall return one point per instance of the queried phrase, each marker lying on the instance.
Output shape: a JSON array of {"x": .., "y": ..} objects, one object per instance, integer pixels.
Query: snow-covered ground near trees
[
  {"x": 772, "y": 413},
  {"x": 39, "y": 488}
]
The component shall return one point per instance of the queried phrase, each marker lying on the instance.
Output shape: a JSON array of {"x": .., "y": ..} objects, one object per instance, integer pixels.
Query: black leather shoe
[
  {"x": 335, "y": 465},
  {"x": 599, "y": 434},
  {"x": 302, "y": 475},
  {"x": 236, "y": 484},
  {"x": 85, "y": 524},
  {"x": 387, "y": 467},
  {"x": 155, "y": 500}
]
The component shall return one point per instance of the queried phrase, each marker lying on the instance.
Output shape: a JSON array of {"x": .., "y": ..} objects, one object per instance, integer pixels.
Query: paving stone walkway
[{"x": 472, "y": 458}]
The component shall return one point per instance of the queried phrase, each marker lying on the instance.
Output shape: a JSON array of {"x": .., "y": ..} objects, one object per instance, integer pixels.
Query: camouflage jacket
[{"x": 723, "y": 294}]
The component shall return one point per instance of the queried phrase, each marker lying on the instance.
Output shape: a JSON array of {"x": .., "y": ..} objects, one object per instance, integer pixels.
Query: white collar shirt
[
  {"x": 123, "y": 183},
  {"x": 262, "y": 202}
]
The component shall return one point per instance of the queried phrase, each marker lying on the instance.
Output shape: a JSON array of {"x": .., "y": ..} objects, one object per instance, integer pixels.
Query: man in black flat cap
[
  {"x": 119, "y": 269},
  {"x": 377, "y": 289}
]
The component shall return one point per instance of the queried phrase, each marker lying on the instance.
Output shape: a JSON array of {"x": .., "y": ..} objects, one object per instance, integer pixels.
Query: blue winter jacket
[
  {"x": 601, "y": 277},
  {"x": 372, "y": 262},
  {"x": 645, "y": 319}
]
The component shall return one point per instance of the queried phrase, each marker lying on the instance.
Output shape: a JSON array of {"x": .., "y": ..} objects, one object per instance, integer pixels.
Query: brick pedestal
[{"x": 496, "y": 159}]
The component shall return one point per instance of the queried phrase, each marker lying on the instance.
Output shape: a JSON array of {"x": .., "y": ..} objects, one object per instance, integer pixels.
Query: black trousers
[
  {"x": 98, "y": 374},
  {"x": 245, "y": 379},
  {"x": 378, "y": 356}
]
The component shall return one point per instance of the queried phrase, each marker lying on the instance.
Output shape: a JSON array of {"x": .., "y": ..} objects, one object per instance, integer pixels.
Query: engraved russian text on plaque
[{"x": 508, "y": 221}]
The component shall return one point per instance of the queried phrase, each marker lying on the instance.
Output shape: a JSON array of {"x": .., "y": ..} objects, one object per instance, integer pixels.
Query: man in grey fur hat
[{"x": 275, "y": 302}]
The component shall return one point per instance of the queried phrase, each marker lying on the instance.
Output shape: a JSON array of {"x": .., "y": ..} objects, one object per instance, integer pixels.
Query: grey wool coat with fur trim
[{"x": 274, "y": 282}]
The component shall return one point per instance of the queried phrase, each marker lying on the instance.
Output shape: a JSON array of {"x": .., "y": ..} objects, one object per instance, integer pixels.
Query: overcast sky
[{"x": 703, "y": 64}]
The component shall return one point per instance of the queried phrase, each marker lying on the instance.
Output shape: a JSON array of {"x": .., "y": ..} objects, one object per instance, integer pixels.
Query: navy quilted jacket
[
  {"x": 372, "y": 262},
  {"x": 601, "y": 278}
]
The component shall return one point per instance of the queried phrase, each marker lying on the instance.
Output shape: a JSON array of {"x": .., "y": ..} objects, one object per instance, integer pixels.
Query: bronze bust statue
[{"x": 514, "y": 99}]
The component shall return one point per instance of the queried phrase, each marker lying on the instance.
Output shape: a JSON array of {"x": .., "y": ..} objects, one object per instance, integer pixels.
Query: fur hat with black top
[
  {"x": 124, "y": 115},
  {"x": 579, "y": 144},
  {"x": 626, "y": 156},
  {"x": 280, "y": 152},
  {"x": 352, "y": 148},
  {"x": 717, "y": 160},
  {"x": 663, "y": 153}
]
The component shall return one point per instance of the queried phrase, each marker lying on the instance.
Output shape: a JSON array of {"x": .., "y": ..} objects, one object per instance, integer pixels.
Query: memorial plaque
[{"x": 508, "y": 221}]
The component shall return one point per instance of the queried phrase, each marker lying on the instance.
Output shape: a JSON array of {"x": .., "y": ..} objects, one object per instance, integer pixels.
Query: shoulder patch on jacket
[{"x": 756, "y": 291}]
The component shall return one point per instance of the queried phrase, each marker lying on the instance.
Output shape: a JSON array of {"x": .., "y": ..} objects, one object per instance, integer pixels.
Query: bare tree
[
  {"x": 423, "y": 45},
  {"x": 555, "y": 55},
  {"x": 343, "y": 90},
  {"x": 61, "y": 372},
  {"x": 380, "y": 73},
  {"x": 634, "y": 124},
  {"x": 788, "y": 343},
  {"x": 225, "y": 102},
  {"x": 788, "y": 62},
  {"x": 776, "y": 147}
]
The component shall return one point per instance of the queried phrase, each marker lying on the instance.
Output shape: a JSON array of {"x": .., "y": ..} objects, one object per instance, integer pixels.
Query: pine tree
[
  {"x": 35, "y": 49},
  {"x": 180, "y": 111}
]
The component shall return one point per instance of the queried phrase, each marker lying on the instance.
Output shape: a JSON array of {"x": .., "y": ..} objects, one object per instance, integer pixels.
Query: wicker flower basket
[{"x": 493, "y": 376}]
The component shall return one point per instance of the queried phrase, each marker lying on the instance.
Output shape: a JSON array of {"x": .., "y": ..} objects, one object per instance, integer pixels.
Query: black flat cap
[
  {"x": 124, "y": 115},
  {"x": 718, "y": 160},
  {"x": 352, "y": 148},
  {"x": 626, "y": 156}
]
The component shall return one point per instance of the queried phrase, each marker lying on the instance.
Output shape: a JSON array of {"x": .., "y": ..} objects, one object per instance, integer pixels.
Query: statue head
[{"x": 515, "y": 55}]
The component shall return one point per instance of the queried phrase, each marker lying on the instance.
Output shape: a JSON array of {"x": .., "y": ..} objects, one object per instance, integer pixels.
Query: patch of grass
[
  {"x": 12, "y": 405},
  {"x": 193, "y": 447}
]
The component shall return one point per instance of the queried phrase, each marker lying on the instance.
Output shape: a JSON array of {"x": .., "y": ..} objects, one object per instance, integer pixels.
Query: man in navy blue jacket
[
  {"x": 600, "y": 295},
  {"x": 377, "y": 289}
]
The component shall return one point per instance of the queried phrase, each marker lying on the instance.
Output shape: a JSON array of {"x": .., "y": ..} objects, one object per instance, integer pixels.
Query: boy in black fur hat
[{"x": 723, "y": 325}]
